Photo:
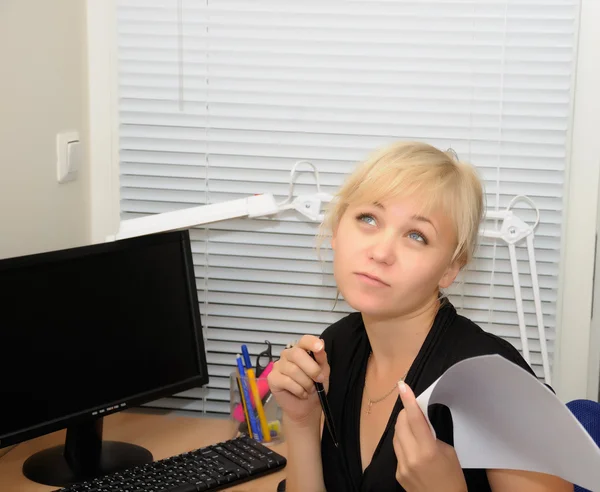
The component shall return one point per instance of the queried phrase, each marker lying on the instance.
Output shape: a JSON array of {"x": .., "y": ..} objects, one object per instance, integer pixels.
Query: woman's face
[{"x": 389, "y": 261}]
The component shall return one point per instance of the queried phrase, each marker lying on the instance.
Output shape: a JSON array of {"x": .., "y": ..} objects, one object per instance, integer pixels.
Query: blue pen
[
  {"x": 246, "y": 354},
  {"x": 253, "y": 424}
]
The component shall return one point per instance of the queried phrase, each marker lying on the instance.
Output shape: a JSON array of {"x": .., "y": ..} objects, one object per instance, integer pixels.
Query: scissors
[{"x": 265, "y": 354}]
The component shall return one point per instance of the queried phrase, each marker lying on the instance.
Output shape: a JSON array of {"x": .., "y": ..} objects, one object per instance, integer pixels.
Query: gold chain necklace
[{"x": 371, "y": 401}]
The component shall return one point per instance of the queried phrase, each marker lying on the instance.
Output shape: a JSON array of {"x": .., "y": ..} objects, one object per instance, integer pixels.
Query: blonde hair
[{"x": 405, "y": 169}]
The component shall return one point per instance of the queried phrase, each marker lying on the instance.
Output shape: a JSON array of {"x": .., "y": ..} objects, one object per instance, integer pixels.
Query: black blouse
[{"x": 451, "y": 339}]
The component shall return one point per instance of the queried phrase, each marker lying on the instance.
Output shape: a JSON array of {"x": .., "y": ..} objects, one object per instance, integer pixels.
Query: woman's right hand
[{"x": 292, "y": 380}]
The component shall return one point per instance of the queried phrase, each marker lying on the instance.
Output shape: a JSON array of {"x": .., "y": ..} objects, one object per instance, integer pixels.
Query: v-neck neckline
[
  {"x": 391, "y": 419},
  {"x": 415, "y": 370}
]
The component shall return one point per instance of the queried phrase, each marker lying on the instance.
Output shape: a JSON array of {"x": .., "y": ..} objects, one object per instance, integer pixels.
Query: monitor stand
[{"x": 83, "y": 456}]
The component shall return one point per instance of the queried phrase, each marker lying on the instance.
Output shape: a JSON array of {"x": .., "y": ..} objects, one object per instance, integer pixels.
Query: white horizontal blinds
[{"x": 218, "y": 100}]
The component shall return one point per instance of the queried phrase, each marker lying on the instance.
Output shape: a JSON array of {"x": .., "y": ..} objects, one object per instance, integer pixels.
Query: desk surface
[{"x": 162, "y": 435}]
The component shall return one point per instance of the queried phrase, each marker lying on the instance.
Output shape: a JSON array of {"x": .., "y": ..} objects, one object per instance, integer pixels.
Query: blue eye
[
  {"x": 367, "y": 219},
  {"x": 417, "y": 236}
]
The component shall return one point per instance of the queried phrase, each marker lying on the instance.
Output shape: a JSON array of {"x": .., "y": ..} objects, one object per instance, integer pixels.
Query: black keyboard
[{"x": 211, "y": 468}]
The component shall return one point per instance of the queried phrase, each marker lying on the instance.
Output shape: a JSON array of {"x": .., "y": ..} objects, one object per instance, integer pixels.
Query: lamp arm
[{"x": 252, "y": 206}]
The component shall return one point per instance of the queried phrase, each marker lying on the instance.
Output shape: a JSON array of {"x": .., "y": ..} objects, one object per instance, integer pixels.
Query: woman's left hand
[{"x": 425, "y": 464}]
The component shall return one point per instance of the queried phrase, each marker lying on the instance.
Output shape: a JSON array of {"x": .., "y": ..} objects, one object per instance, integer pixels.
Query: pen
[
  {"x": 245, "y": 416},
  {"x": 246, "y": 396},
  {"x": 262, "y": 419},
  {"x": 325, "y": 406}
]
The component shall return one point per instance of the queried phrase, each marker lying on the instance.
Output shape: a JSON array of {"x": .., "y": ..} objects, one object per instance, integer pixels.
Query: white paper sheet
[{"x": 505, "y": 418}]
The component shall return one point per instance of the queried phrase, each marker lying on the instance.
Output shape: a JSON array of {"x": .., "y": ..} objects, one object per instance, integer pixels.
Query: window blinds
[{"x": 219, "y": 98}]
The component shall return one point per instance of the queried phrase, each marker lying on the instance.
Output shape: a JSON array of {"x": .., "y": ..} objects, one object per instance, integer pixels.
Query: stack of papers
[{"x": 504, "y": 418}]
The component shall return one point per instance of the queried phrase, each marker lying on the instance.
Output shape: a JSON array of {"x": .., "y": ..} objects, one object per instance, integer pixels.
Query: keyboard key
[
  {"x": 211, "y": 482},
  {"x": 188, "y": 487}
]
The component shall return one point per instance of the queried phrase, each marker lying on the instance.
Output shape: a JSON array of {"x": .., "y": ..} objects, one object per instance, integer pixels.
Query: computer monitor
[{"x": 90, "y": 331}]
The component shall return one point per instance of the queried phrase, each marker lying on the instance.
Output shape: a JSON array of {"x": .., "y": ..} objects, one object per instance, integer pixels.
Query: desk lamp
[{"x": 511, "y": 230}]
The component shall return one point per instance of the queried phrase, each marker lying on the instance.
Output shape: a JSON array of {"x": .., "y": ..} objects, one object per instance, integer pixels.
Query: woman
[{"x": 403, "y": 225}]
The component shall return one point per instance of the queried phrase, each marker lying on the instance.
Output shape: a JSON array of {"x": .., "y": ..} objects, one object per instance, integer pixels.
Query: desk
[{"x": 163, "y": 435}]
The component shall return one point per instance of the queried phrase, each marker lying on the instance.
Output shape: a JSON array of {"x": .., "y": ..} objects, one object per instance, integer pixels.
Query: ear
[{"x": 450, "y": 275}]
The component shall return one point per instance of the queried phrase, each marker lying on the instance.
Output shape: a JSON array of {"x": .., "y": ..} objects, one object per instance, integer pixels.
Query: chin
[{"x": 370, "y": 305}]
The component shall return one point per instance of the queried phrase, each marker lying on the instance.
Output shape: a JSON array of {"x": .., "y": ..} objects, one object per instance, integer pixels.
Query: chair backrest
[{"x": 588, "y": 414}]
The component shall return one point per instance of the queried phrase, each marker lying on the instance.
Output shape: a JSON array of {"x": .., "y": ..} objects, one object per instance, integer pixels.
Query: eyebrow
[{"x": 419, "y": 218}]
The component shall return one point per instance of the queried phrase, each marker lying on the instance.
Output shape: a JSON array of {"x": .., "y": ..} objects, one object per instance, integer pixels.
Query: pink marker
[{"x": 263, "y": 389}]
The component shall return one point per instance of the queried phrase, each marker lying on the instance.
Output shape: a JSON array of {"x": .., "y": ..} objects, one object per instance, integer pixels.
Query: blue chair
[{"x": 588, "y": 414}]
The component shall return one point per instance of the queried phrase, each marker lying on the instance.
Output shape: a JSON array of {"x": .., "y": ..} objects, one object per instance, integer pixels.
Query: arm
[
  {"x": 524, "y": 481},
  {"x": 425, "y": 463},
  {"x": 292, "y": 383},
  {"x": 304, "y": 471}
]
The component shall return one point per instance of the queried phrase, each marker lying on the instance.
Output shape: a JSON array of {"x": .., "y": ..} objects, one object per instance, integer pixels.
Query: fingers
[
  {"x": 416, "y": 420},
  {"x": 321, "y": 358},
  {"x": 401, "y": 470},
  {"x": 297, "y": 374},
  {"x": 281, "y": 382},
  {"x": 413, "y": 456},
  {"x": 310, "y": 342},
  {"x": 296, "y": 371},
  {"x": 424, "y": 463},
  {"x": 317, "y": 369},
  {"x": 413, "y": 442},
  {"x": 403, "y": 433}
]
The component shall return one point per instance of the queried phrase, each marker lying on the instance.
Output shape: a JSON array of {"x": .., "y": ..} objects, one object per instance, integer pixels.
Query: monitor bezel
[{"x": 109, "y": 408}]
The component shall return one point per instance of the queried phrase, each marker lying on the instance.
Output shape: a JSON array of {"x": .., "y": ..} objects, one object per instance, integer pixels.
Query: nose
[{"x": 383, "y": 249}]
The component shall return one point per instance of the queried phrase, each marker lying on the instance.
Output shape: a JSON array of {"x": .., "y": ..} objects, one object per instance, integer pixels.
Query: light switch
[{"x": 69, "y": 155}]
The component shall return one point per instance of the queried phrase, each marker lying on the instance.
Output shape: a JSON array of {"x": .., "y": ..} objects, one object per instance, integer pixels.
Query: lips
[{"x": 371, "y": 279}]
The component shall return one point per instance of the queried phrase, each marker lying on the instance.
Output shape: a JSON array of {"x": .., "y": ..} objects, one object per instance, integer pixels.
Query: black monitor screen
[{"x": 87, "y": 329}]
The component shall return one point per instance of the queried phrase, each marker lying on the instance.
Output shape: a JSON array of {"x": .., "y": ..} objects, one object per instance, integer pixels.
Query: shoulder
[
  {"x": 468, "y": 339},
  {"x": 343, "y": 329},
  {"x": 344, "y": 338}
]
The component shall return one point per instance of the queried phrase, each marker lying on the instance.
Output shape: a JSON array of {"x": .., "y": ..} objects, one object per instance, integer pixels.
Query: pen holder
[{"x": 268, "y": 415}]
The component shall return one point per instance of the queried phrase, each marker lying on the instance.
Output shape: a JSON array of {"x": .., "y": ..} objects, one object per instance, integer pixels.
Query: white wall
[
  {"x": 43, "y": 90},
  {"x": 576, "y": 359},
  {"x": 103, "y": 119},
  {"x": 591, "y": 121}
]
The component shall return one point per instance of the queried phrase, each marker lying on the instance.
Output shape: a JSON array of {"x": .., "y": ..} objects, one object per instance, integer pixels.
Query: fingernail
[
  {"x": 402, "y": 387},
  {"x": 320, "y": 378},
  {"x": 305, "y": 395},
  {"x": 318, "y": 346}
]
